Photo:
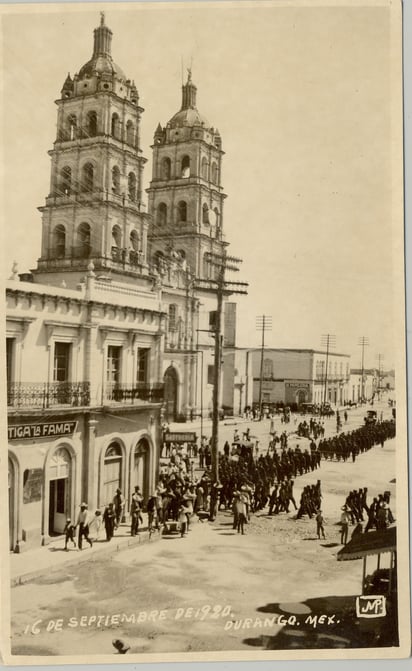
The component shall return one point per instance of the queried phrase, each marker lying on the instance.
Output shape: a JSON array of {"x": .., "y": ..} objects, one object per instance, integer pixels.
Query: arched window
[
  {"x": 161, "y": 214},
  {"x": 87, "y": 177},
  {"x": 205, "y": 214},
  {"x": 91, "y": 124},
  {"x": 135, "y": 241},
  {"x": 65, "y": 181},
  {"x": 116, "y": 126},
  {"x": 172, "y": 317},
  {"x": 182, "y": 211},
  {"x": 130, "y": 133},
  {"x": 206, "y": 265},
  {"x": 116, "y": 236},
  {"x": 131, "y": 186},
  {"x": 214, "y": 173},
  {"x": 166, "y": 168},
  {"x": 71, "y": 126},
  {"x": 267, "y": 368},
  {"x": 204, "y": 167},
  {"x": 115, "y": 180},
  {"x": 185, "y": 172},
  {"x": 83, "y": 240},
  {"x": 59, "y": 235}
]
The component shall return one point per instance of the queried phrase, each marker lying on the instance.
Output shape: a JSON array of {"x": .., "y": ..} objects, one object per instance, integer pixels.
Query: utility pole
[
  {"x": 221, "y": 262},
  {"x": 363, "y": 342},
  {"x": 380, "y": 358},
  {"x": 263, "y": 323},
  {"x": 328, "y": 340}
]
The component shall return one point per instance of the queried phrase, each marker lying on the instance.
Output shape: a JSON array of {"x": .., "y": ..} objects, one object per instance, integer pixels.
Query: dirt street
[{"x": 213, "y": 589}]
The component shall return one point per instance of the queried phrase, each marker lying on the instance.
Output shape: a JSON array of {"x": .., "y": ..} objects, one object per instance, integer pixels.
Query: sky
[{"x": 303, "y": 97}]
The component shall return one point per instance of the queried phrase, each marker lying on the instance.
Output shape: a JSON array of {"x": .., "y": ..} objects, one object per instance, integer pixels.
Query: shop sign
[
  {"x": 50, "y": 430},
  {"x": 180, "y": 437},
  {"x": 295, "y": 385}
]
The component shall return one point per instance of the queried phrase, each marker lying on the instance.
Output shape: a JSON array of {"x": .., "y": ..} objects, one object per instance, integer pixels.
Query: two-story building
[
  {"x": 84, "y": 396},
  {"x": 288, "y": 376}
]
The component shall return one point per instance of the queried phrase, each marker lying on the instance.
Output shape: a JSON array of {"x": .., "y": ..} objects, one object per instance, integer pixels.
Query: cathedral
[{"x": 113, "y": 332}]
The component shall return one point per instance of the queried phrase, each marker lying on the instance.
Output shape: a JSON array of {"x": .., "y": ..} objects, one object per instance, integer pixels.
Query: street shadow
[
  {"x": 311, "y": 538},
  {"x": 227, "y": 533},
  {"x": 330, "y": 545},
  {"x": 301, "y": 627}
]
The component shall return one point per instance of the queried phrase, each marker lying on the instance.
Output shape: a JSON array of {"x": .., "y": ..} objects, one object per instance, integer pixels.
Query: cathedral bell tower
[
  {"x": 185, "y": 194},
  {"x": 94, "y": 211}
]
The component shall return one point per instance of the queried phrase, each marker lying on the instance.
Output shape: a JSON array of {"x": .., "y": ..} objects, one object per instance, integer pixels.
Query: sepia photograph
[{"x": 204, "y": 399}]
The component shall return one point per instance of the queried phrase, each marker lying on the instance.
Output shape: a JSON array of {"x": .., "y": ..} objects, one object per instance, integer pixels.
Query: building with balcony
[{"x": 84, "y": 397}]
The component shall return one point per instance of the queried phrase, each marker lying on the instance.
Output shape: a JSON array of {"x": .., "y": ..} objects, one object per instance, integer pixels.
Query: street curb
[{"x": 80, "y": 558}]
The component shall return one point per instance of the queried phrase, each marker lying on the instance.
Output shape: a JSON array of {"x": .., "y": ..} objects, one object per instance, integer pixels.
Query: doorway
[
  {"x": 141, "y": 468},
  {"x": 170, "y": 394},
  {"x": 60, "y": 480},
  {"x": 57, "y": 505},
  {"x": 12, "y": 530},
  {"x": 112, "y": 472}
]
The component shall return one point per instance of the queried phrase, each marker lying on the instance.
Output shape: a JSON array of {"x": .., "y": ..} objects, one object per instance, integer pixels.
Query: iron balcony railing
[
  {"x": 130, "y": 393},
  {"x": 47, "y": 395}
]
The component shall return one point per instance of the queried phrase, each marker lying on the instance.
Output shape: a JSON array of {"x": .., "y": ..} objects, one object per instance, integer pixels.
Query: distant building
[
  {"x": 363, "y": 391},
  {"x": 289, "y": 376}
]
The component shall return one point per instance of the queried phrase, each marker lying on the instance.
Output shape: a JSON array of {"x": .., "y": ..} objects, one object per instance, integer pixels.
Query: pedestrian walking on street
[
  {"x": 182, "y": 520},
  {"x": 135, "y": 511},
  {"x": 69, "y": 533},
  {"x": 344, "y": 525},
  {"x": 83, "y": 524},
  {"x": 320, "y": 520},
  {"x": 118, "y": 504},
  {"x": 109, "y": 521}
]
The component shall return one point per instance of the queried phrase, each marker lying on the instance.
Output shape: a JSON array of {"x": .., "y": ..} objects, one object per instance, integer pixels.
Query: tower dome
[
  {"x": 101, "y": 62},
  {"x": 188, "y": 114}
]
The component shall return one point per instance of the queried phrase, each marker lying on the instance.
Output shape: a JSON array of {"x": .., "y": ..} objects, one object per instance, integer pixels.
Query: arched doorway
[
  {"x": 170, "y": 394},
  {"x": 59, "y": 474},
  {"x": 301, "y": 395},
  {"x": 141, "y": 468},
  {"x": 112, "y": 472},
  {"x": 12, "y": 491}
]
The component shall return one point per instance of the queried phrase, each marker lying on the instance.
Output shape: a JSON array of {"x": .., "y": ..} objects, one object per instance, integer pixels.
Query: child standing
[
  {"x": 182, "y": 519},
  {"x": 68, "y": 531},
  {"x": 320, "y": 520}
]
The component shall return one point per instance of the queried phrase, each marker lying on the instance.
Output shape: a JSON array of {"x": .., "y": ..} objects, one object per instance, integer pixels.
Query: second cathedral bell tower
[{"x": 185, "y": 195}]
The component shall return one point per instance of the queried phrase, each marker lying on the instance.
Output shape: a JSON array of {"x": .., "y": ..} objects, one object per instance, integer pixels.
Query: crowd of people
[
  {"x": 350, "y": 444},
  {"x": 378, "y": 514},
  {"x": 248, "y": 482}
]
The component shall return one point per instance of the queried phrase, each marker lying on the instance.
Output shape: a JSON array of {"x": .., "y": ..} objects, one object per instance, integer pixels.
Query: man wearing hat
[
  {"x": 344, "y": 525},
  {"x": 83, "y": 524}
]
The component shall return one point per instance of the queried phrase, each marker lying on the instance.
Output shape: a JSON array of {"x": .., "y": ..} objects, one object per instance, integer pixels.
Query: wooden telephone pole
[{"x": 219, "y": 285}]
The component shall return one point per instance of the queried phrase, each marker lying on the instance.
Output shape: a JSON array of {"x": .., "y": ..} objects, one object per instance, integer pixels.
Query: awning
[{"x": 371, "y": 543}]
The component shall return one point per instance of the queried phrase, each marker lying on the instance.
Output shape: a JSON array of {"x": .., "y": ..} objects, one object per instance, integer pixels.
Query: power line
[
  {"x": 327, "y": 340},
  {"x": 363, "y": 342},
  {"x": 263, "y": 323},
  {"x": 222, "y": 263}
]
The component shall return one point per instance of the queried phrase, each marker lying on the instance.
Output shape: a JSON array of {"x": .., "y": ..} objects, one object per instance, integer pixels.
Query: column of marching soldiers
[{"x": 256, "y": 481}]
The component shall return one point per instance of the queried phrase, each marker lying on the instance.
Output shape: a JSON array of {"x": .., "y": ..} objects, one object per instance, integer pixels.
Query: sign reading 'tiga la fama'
[{"x": 30, "y": 431}]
